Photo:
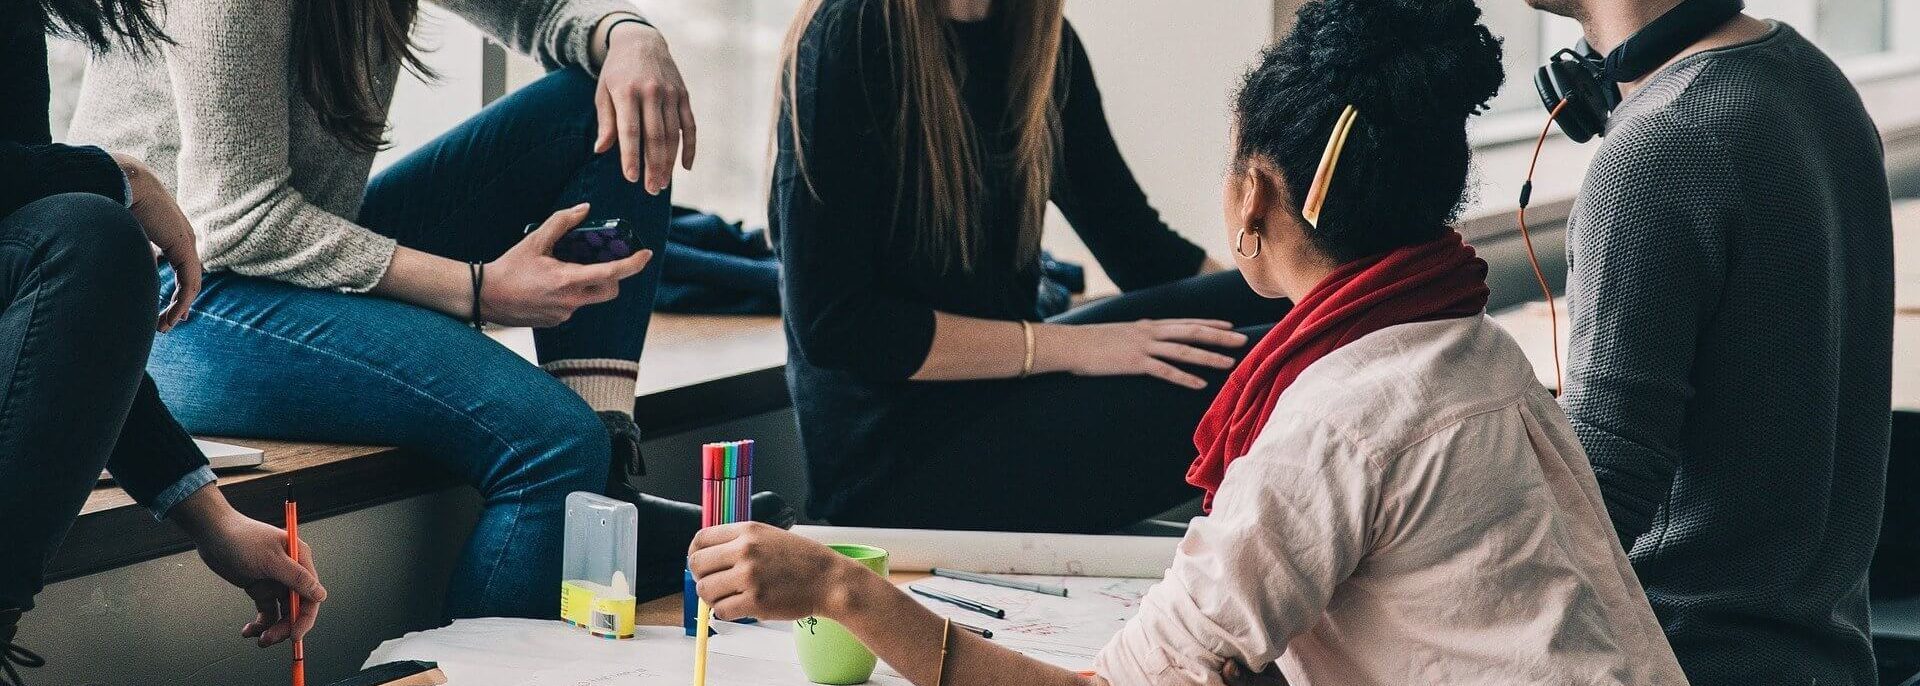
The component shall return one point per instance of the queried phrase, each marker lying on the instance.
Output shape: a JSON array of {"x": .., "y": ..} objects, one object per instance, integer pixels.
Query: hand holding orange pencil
[
  {"x": 252, "y": 555},
  {"x": 293, "y": 597}
]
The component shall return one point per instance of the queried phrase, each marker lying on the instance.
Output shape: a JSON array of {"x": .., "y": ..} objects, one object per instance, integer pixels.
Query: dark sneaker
[
  {"x": 12, "y": 655},
  {"x": 627, "y": 461}
]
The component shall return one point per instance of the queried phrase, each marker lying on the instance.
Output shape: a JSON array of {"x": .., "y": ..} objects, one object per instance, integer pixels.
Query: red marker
[{"x": 711, "y": 455}]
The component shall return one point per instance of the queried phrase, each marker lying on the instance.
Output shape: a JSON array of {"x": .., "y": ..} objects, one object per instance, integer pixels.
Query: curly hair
[{"x": 1415, "y": 70}]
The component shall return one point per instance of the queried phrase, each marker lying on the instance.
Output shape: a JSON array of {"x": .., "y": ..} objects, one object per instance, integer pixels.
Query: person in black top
[
  {"x": 918, "y": 144},
  {"x": 78, "y": 287}
]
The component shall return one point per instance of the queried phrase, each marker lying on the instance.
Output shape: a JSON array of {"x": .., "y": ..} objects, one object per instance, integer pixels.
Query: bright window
[
  {"x": 729, "y": 52},
  {"x": 1846, "y": 29}
]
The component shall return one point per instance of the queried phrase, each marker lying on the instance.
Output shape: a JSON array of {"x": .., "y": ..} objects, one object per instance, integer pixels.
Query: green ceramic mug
[{"x": 830, "y": 654}]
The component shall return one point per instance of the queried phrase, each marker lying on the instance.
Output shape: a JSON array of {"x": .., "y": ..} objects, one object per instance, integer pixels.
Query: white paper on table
[
  {"x": 998, "y": 552},
  {"x": 1068, "y": 632},
  {"x": 525, "y": 652}
]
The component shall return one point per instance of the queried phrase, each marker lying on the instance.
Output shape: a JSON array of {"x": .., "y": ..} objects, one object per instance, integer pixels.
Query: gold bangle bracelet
[
  {"x": 1026, "y": 367},
  {"x": 940, "y": 672}
]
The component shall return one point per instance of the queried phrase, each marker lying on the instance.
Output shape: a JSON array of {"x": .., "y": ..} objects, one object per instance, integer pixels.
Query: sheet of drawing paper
[
  {"x": 526, "y": 652},
  {"x": 993, "y": 552},
  {"x": 1067, "y": 632}
]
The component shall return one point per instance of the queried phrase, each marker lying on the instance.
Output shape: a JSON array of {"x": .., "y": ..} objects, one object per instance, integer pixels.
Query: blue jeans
[{"x": 268, "y": 359}]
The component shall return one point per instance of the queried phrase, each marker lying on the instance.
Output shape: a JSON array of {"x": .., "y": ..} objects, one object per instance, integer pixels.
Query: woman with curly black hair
[{"x": 1394, "y": 498}]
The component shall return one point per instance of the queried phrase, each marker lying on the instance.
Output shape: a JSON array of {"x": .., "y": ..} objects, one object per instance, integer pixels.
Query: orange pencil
[{"x": 293, "y": 597}]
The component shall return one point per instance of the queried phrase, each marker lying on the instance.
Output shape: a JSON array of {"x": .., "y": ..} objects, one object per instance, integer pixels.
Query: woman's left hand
[
  {"x": 252, "y": 555},
  {"x": 755, "y": 570},
  {"x": 643, "y": 106},
  {"x": 169, "y": 231}
]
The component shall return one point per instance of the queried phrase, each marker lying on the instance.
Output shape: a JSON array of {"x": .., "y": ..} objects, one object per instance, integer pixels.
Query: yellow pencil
[{"x": 700, "y": 644}]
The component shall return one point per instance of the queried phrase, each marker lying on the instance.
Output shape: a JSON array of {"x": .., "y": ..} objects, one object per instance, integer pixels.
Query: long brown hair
[
  {"x": 338, "y": 47},
  {"x": 102, "y": 24},
  {"x": 936, "y": 160}
]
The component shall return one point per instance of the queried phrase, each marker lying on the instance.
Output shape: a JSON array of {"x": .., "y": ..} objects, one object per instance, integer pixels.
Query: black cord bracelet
[
  {"x": 478, "y": 271},
  {"x": 625, "y": 20}
]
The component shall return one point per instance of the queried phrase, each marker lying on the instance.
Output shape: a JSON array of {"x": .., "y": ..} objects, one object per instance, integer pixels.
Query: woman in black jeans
[
  {"x": 78, "y": 290},
  {"x": 919, "y": 142}
]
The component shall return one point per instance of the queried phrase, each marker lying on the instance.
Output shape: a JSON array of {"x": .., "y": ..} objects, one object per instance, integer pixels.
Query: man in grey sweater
[{"x": 1731, "y": 292}]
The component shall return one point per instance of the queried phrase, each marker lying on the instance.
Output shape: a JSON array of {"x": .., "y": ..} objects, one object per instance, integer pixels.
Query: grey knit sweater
[
  {"x": 221, "y": 120},
  {"x": 1732, "y": 296}
]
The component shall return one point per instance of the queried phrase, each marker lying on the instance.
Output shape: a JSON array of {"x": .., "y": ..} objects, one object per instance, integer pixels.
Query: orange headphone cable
[{"x": 1526, "y": 194}]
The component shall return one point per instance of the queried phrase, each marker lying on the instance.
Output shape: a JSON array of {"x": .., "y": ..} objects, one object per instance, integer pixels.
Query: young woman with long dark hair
[
  {"x": 78, "y": 227},
  {"x": 1395, "y": 499},
  {"x": 344, "y": 308},
  {"x": 919, "y": 143}
]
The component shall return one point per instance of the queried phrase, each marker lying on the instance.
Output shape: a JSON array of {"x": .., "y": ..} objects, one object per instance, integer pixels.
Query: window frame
[{"x": 1900, "y": 59}]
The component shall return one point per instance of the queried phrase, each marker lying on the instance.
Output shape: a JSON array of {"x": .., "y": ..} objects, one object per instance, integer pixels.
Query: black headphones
[{"x": 1590, "y": 82}]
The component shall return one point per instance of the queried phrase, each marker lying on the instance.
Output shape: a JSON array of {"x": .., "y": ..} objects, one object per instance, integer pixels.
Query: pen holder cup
[{"x": 829, "y": 654}]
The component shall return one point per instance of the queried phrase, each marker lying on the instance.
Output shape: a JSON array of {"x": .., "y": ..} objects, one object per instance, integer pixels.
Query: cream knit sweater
[{"x": 220, "y": 118}]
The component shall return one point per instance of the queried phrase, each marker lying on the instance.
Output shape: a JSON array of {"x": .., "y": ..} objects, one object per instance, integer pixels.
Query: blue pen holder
[{"x": 689, "y": 605}]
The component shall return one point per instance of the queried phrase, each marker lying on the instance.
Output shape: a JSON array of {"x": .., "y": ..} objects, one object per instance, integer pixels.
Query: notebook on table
[
  {"x": 408, "y": 673},
  {"x": 221, "y": 456}
]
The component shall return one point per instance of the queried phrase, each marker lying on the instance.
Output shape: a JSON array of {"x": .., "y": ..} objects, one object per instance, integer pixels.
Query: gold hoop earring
[{"x": 1239, "y": 243}]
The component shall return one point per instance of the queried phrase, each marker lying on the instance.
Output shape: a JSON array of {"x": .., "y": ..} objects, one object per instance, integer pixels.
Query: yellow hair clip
[{"x": 1323, "y": 177}]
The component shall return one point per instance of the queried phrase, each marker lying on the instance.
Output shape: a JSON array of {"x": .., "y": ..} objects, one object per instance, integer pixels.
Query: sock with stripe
[{"x": 606, "y": 385}]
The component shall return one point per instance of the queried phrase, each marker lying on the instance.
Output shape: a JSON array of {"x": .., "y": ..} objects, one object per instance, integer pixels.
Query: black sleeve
[
  {"x": 31, "y": 167},
  {"x": 1099, "y": 196},
  {"x": 32, "y": 172},
  {"x": 153, "y": 452},
  {"x": 833, "y": 219}
]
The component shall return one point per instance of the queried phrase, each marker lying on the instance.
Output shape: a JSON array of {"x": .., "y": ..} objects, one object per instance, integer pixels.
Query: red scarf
[{"x": 1439, "y": 279}]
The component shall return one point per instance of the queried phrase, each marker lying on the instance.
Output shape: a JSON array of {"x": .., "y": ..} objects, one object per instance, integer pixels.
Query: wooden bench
[
  {"x": 112, "y": 531},
  {"x": 698, "y": 371}
]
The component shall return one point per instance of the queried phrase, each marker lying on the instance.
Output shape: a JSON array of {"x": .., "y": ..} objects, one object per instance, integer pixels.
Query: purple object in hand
[{"x": 593, "y": 243}]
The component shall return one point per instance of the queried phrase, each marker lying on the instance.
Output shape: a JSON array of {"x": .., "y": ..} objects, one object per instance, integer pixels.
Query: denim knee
[
  {"x": 90, "y": 235},
  {"x": 566, "y": 93},
  {"x": 565, "y": 449},
  {"x": 560, "y": 101},
  {"x": 92, "y": 241}
]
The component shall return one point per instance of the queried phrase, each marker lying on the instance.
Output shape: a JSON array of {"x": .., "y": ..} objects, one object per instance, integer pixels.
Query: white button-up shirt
[{"x": 1416, "y": 511}]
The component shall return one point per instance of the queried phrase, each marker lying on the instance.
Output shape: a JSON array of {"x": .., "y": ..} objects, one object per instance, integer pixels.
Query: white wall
[
  {"x": 1166, "y": 71},
  {"x": 422, "y": 110},
  {"x": 728, "y": 52}
]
